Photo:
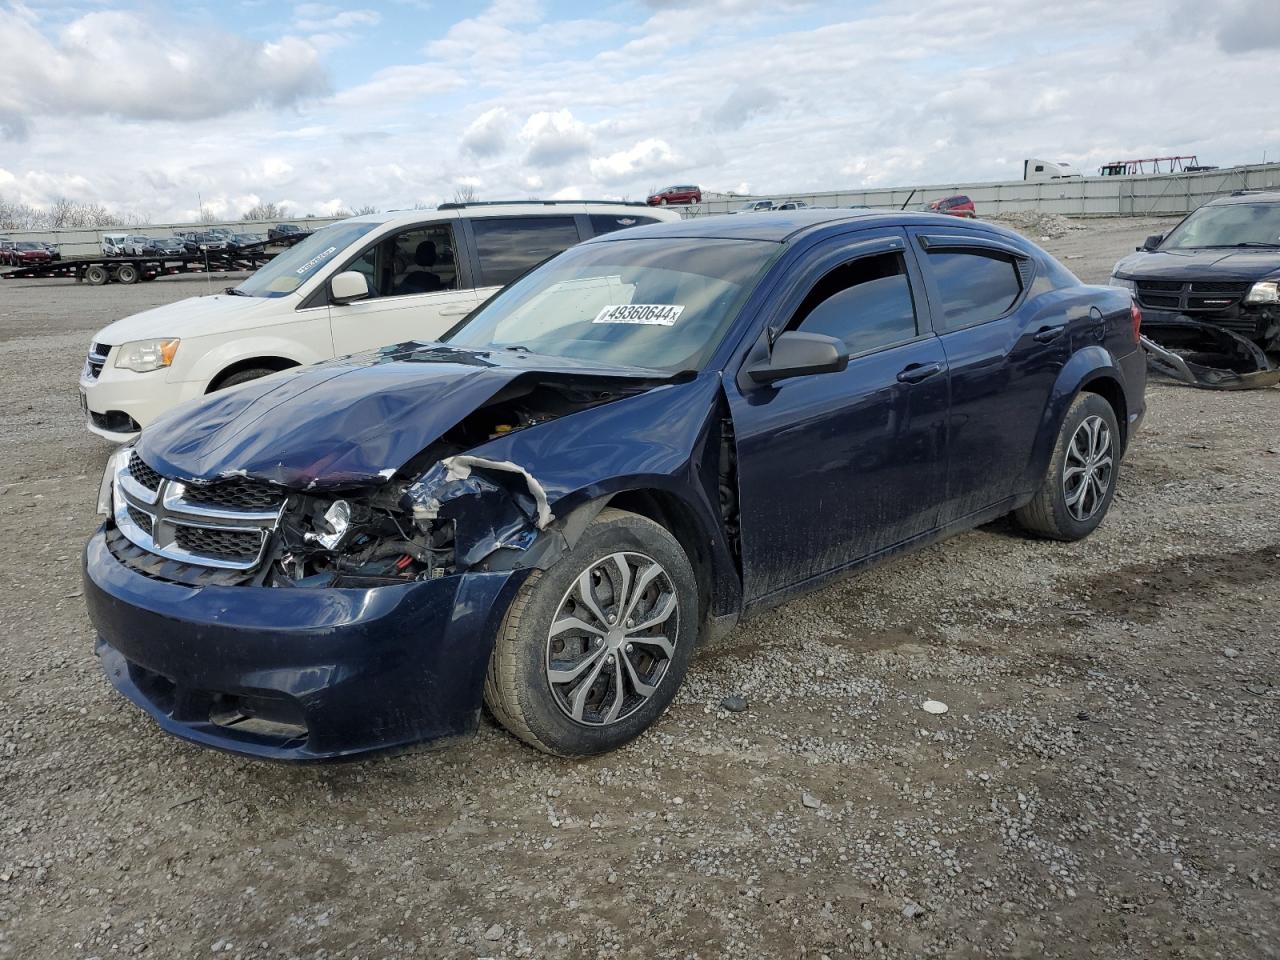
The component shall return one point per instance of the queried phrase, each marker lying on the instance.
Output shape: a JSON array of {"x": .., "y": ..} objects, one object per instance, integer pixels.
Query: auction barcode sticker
[{"x": 655, "y": 314}]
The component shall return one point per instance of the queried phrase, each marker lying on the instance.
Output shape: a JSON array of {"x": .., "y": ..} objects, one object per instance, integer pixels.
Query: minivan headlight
[
  {"x": 1266, "y": 291},
  {"x": 143, "y": 355}
]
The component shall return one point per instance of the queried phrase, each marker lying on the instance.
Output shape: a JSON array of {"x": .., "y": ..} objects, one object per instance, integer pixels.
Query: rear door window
[
  {"x": 975, "y": 286},
  {"x": 609, "y": 222},
  {"x": 508, "y": 246}
]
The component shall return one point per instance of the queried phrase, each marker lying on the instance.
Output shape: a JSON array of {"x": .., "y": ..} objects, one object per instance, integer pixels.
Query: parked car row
[
  {"x": 956, "y": 206},
  {"x": 182, "y": 243},
  {"x": 17, "y": 253},
  {"x": 473, "y": 502}
]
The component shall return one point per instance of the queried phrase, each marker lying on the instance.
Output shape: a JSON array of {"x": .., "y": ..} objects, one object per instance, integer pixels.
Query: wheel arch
[
  {"x": 1089, "y": 370},
  {"x": 272, "y": 363}
]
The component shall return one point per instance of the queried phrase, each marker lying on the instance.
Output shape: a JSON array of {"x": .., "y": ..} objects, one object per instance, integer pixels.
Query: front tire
[
  {"x": 1080, "y": 482},
  {"x": 593, "y": 649},
  {"x": 242, "y": 376}
]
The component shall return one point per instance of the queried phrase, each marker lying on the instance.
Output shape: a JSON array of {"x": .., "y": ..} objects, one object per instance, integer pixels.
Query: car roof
[
  {"x": 782, "y": 227},
  {"x": 514, "y": 208},
  {"x": 1245, "y": 196}
]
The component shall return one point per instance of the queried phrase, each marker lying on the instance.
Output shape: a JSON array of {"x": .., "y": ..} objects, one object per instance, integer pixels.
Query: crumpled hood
[
  {"x": 1242, "y": 263},
  {"x": 347, "y": 422}
]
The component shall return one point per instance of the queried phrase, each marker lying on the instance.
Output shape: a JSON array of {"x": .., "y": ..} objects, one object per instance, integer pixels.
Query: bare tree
[
  {"x": 364, "y": 209},
  {"x": 265, "y": 211},
  {"x": 465, "y": 193},
  {"x": 77, "y": 213}
]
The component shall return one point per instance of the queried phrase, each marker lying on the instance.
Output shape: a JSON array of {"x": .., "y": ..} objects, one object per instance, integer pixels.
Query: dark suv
[
  {"x": 633, "y": 446},
  {"x": 1220, "y": 266}
]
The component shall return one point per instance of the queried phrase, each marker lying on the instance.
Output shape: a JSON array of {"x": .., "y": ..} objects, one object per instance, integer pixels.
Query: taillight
[{"x": 1136, "y": 316}]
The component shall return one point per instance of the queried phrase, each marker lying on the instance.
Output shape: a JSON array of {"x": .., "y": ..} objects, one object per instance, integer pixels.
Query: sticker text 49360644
[{"x": 650, "y": 314}]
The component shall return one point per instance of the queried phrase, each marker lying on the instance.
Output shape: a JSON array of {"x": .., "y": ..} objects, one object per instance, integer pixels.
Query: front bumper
[
  {"x": 117, "y": 396},
  {"x": 298, "y": 674}
]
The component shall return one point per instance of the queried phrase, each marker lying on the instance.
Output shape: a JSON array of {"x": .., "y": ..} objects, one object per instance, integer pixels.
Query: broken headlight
[
  {"x": 1266, "y": 291},
  {"x": 106, "y": 489},
  {"x": 356, "y": 541}
]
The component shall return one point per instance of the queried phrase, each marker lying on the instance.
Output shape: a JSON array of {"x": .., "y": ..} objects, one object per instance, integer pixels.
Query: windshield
[
  {"x": 1228, "y": 225},
  {"x": 283, "y": 274},
  {"x": 661, "y": 304}
]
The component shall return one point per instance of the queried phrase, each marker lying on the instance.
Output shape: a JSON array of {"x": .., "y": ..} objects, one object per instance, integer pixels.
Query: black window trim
[
  {"x": 473, "y": 248},
  {"x": 1024, "y": 267},
  {"x": 319, "y": 297},
  {"x": 845, "y": 253}
]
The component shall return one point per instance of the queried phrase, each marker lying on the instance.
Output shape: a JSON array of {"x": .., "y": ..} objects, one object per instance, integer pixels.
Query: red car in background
[
  {"x": 26, "y": 252},
  {"x": 669, "y": 195},
  {"x": 957, "y": 206}
]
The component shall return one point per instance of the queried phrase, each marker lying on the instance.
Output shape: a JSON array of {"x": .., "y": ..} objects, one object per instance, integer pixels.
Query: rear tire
[
  {"x": 96, "y": 275},
  {"x": 577, "y": 673},
  {"x": 127, "y": 273},
  {"x": 1080, "y": 481}
]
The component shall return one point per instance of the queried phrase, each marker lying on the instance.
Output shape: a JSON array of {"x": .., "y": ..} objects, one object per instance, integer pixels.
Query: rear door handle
[
  {"x": 919, "y": 371},
  {"x": 1049, "y": 334}
]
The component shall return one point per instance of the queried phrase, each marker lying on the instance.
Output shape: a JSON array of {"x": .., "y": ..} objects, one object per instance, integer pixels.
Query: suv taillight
[{"x": 1136, "y": 316}]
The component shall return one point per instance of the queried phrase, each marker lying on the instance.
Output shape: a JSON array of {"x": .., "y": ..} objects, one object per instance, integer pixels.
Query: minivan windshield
[
  {"x": 283, "y": 274},
  {"x": 1227, "y": 225},
  {"x": 662, "y": 304}
]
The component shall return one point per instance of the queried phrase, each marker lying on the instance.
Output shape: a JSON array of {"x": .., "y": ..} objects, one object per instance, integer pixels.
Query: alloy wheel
[
  {"x": 1087, "y": 468},
  {"x": 612, "y": 639}
]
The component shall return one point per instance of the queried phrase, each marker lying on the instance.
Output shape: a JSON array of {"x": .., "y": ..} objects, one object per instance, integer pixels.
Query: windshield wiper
[
  {"x": 236, "y": 292},
  {"x": 517, "y": 347},
  {"x": 1255, "y": 243}
]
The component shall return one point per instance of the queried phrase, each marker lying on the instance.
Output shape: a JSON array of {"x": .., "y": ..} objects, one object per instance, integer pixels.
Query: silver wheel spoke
[
  {"x": 662, "y": 643},
  {"x": 587, "y": 594},
  {"x": 622, "y": 588},
  {"x": 574, "y": 623},
  {"x": 1074, "y": 498},
  {"x": 580, "y": 692},
  {"x": 665, "y": 606},
  {"x": 1070, "y": 472},
  {"x": 618, "y": 697},
  {"x": 637, "y": 684},
  {"x": 577, "y": 670},
  {"x": 647, "y": 576}
]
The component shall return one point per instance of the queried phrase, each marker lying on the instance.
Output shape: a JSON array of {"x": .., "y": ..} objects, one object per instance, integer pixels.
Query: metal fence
[
  {"x": 1140, "y": 196},
  {"x": 87, "y": 242}
]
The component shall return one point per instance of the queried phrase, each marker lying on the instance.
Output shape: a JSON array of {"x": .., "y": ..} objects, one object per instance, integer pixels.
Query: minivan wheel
[
  {"x": 1081, "y": 479},
  {"x": 594, "y": 648},
  {"x": 242, "y": 376}
]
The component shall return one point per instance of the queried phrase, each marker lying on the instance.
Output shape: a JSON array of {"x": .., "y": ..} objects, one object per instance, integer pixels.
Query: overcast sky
[{"x": 145, "y": 107}]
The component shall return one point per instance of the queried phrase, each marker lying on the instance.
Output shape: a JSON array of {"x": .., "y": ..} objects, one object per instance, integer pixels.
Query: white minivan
[{"x": 354, "y": 285}]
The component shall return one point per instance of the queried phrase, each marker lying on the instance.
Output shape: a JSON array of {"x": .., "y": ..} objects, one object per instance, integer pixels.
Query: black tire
[
  {"x": 663, "y": 202},
  {"x": 1051, "y": 512},
  {"x": 127, "y": 273},
  {"x": 96, "y": 275},
  {"x": 241, "y": 376},
  {"x": 518, "y": 689}
]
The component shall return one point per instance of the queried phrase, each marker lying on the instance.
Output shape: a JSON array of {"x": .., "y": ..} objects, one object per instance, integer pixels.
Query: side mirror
[
  {"x": 1152, "y": 241},
  {"x": 796, "y": 354},
  {"x": 348, "y": 286}
]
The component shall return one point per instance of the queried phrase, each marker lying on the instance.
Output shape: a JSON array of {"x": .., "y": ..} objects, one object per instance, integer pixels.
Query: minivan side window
[
  {"x": 609, "y": 222},
  {"x": 975, "y": 286},
  {"x": 418, "y": 260},
  {"x": 508, "y": 246},
  {"x": 866, "y": 303}
]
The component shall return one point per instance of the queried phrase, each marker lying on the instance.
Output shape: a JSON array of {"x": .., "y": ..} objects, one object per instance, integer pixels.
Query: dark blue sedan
[{"x": 651, "y": 436}]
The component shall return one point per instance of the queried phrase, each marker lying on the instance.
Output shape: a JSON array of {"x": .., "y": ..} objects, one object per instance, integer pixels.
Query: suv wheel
[
  {"x": 1081, "y": 480},
  {"x": 593, "y": 649}
]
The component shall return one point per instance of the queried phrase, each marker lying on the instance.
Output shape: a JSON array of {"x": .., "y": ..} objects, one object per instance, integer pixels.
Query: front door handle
[
  {"x": 919, "y": 371},
  {"x": 1050, "y": 334},
  {"x": 456, "y": 311}
]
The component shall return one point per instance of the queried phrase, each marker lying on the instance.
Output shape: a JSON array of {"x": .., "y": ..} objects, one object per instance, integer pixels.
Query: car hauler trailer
[{"x": 132, "y": 269}]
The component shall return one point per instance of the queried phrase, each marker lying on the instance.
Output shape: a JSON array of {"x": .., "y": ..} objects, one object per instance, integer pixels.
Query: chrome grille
[
  {"x": 162, "y": 517},
  {"x": 98, "y": 353},
  {"x": 236, "y": 493}
]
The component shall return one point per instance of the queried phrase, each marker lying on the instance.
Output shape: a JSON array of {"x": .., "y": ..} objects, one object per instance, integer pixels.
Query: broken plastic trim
[
  {"x": 1205, "y": 355},
  {"x": 459, "y": 468}
]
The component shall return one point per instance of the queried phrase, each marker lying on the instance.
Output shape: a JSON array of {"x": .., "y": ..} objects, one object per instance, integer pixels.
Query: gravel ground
[{"x": 1104, "y": 783}]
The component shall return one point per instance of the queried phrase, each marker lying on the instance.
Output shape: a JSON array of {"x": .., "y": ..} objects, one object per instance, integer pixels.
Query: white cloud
[
  {"x": 486, "y": 135},
  {"x": 552, "y": 137},
  {"x": 649, "y": 157},
  {"x": 113, "y": 63}
]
